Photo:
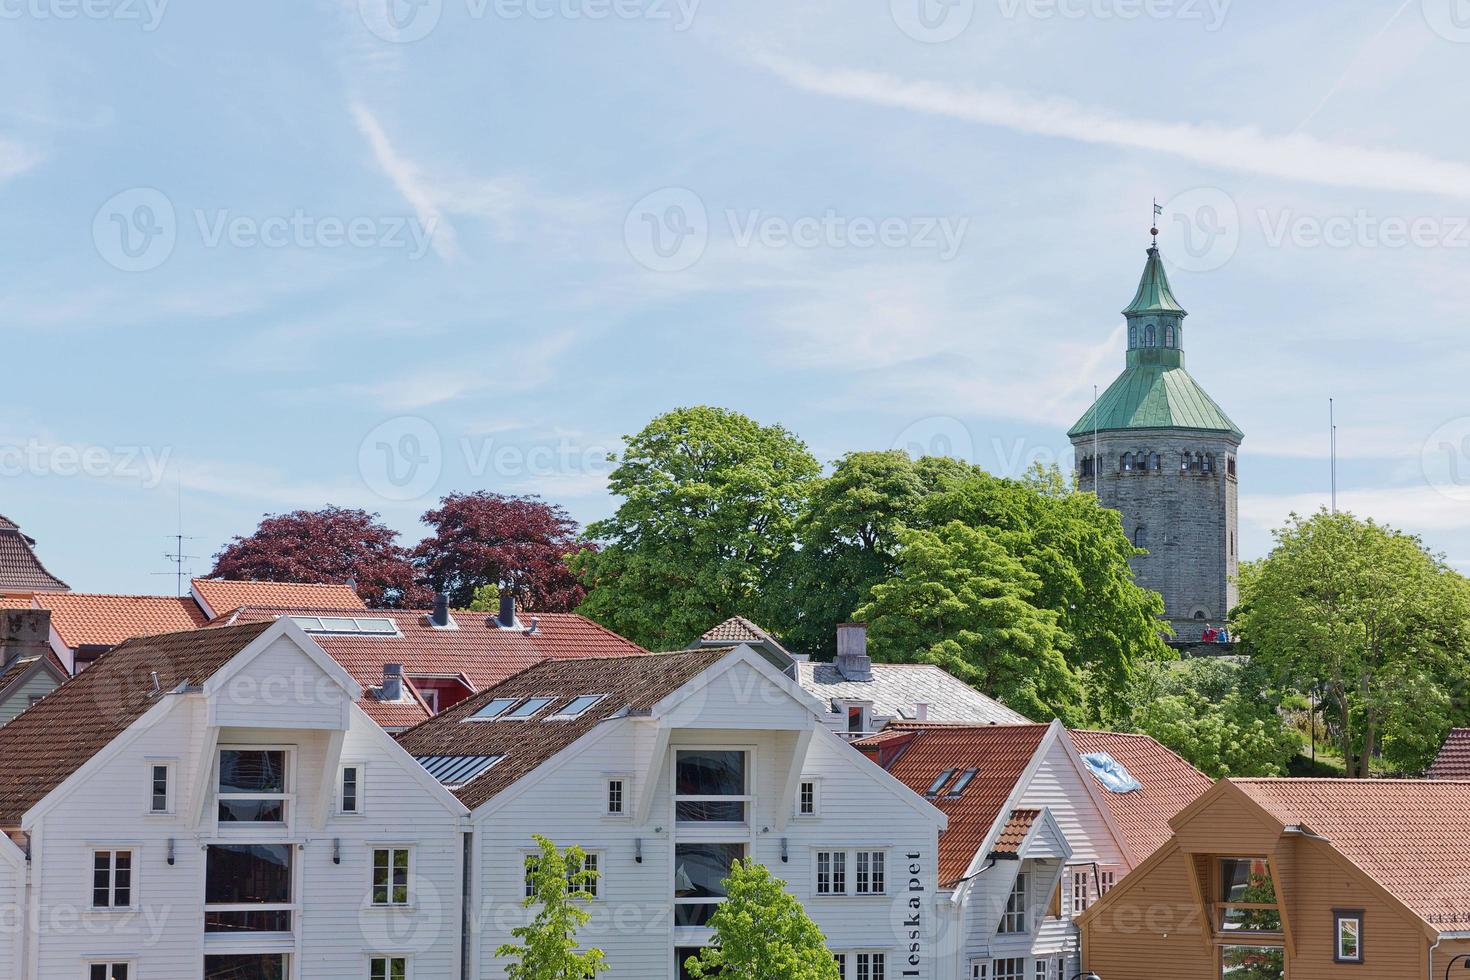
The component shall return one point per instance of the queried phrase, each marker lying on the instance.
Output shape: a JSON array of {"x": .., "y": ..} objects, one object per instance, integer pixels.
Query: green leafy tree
[
  {"x": 1373, "y": 620},
  {"x": 762, "y": 933},
  {"x": 547, "y": 947},
  {"x": 486, "y": 598},
  {"x": 710, "y": 506},
  {"x": 963, "y": 602}
]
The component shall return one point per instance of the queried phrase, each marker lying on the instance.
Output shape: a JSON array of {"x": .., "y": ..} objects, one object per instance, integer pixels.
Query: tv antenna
[{"x": 177, "y": 555}]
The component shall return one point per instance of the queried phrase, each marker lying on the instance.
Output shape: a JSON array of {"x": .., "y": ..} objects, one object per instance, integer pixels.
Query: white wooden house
[
  {"x": 213, "y": 803},
  {"x": 666, "y": 768}
]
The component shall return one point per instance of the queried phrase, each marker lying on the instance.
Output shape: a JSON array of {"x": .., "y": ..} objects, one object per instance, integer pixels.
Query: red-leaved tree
[
  {"x": 333, "y": 544},
  {"x": 487, "y": 538}
]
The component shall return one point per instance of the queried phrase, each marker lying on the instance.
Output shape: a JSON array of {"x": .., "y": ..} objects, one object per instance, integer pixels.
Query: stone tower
[{"x": 1158, "y": 450}]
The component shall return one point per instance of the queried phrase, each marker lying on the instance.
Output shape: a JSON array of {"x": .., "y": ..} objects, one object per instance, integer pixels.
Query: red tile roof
[
  {"x": 1453, "y": 761},
  {"x": 1169, "y": 785},
  {"x": 221, "y": 595},
  {"x": 476, "y": 648},
  {"x": 20, "y": 569},
  {"x": 51, "y": 740},
  {"x": 86, "y": 619},
  {"x": 631, "y": 685},
  {"x": 1000, "y": 753},
  {"x": 1408, "y": 835},
  {"x": 1013, "y": 834}
]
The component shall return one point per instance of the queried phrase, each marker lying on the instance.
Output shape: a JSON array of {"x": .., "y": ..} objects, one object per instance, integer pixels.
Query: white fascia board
[
  {"x": 400, "y": 755},
  {"x": 285, "y": 627},
  {"x": 742, "y": 654},
  {"x": 549, "y": 766},
  {"x": 1014, "y": 799}
]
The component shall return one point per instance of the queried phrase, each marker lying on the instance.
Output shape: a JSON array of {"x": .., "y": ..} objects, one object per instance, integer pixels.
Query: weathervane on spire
[{"x": 1154, "y": 231}]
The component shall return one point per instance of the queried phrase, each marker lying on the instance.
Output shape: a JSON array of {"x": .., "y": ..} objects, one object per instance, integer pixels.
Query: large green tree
[
  {"x": 547, "y": 949},
  {"x": 1371, "y": 619},
  {"x": 710, "y": 505},
  {"x": 963, "y": 602},
  {"x": 762, "y": 933}
]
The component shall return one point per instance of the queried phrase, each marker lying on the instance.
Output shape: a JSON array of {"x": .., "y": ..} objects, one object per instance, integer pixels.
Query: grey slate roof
[{"x": 896, "y": 688}]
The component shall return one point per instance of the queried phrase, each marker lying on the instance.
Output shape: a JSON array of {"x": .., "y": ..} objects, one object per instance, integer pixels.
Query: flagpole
[{"x": 1332, "y": 442}]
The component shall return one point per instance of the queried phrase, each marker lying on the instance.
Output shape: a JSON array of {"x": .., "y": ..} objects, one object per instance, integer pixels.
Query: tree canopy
[
  {"x": 710, "y": 506},
  {"x": 519, "y": 543},
  {"x": 333, "y": 544},
  {"x": 1370, "y": 619},
  {"x": 762, "y": 933}
]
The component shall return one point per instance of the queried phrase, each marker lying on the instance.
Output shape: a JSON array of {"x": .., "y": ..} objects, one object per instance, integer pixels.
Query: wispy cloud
[
  {"x": 1417, "y": 509},
  {"x": 410, "y": 183},
  {"x": 16, "y": 158},
  {"x": 1246, "y": 149}
]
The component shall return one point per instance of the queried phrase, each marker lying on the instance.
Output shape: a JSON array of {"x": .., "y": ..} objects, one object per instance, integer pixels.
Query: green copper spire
[{"x": 1154, "y": 294}]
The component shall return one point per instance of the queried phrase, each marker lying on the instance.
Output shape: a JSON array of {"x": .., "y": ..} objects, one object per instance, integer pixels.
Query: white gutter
[{"x": 1462, "y": 934}]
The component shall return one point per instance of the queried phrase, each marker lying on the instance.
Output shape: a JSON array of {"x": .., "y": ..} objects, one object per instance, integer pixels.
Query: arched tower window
[
  {"x": 1169, "y": 336},
  {"x": 1140, "y": 537},
  {"x": 1150, "y": 339},
  {"x": 1155, "y": 463},
  {"x": 1184, "y": 461},
  {"x": 1209, "y": 464},
  {"x": 1126, "y": 463},
  {"x": 1132, "y": 336}
]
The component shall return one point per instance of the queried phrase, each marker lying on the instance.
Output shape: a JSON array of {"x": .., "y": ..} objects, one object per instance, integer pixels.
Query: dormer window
[
  {"x": 1247, "y": 896},
  {"x": 1013, "y": 920},
  {"x": 253, "y": 786}
]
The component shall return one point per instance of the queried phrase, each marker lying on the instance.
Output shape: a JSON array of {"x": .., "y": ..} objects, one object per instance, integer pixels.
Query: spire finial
[{"x": 1154, "y": 230}]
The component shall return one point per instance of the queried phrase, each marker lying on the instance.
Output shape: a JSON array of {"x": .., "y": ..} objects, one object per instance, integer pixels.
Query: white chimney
[
  {"x": 921, "y": 711},
  {"x": 852, "y": 652}
]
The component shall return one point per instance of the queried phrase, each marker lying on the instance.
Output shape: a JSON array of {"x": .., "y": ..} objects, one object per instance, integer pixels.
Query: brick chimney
[
  {"x": 852, "y": 652},
  {"x": 25, "y": 633}
]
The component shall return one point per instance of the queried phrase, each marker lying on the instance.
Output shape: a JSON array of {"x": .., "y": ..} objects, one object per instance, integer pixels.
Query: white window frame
[
  {"x": 849, "y": 862},
  {"x": 594, "y": 857},
  {"x": 1015, "y": 921},
  {"x": 359, "y": 809},
  {"x": 747, "y": 798},
  {"x": 1340, "y": 916},
  {"x": 625, "y": 793},
  {"x": 1043, "y": 969},
  {"x": 1079, "y": 893},
  {"x": 288, "y": 798},
  {"x": 132, "y": 851},
  {"x": 388, "y": 959},
  {"x": 291, "y": 905},
  {"x": 170, "y": 793},
  {"x": 110, "y": 963},
  {"x": 997, "y": 961},
  {"x": 861, "y": 963},
  {"x": 979, "y": 970},
  {"x": 392, "y": 848},
  {"x": 816, "y": 810}
]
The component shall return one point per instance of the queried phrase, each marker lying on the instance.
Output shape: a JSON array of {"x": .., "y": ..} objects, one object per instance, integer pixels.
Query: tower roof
[
  {"x": 20, "y": 569},
  {"x": 1154, "y": 294},
  {"x": 1155, "y": 396}
]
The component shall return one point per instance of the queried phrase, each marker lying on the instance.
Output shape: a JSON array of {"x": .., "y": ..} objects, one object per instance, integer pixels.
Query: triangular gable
[
  {"x": 685, "y": 698},
  {"x": 285, "y": 626},
  {"x": 282, "y": 696},
  {"x": 362, "y": 722},
  {"x": 42, "y": 664},
  {"x": 1252, "y": 829}
]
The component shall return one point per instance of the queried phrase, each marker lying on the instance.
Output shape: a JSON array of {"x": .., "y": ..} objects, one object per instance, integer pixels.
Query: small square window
[{"x": 1348, "y": 943}]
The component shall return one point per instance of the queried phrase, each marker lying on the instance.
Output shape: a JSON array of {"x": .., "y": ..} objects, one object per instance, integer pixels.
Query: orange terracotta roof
[
  {"x": 49, "y": 741},
  {"x": 476, "y": 648},
  {"x": 86, "y": 619},
  {"x": 1013, "y": 834},
  {"x": 222, "y": 595},
  {"x": 630, "y": 685},
  {"x": 1000, "y": 753},
  {"x": 1408, "y": 835},
  {"x": 1453, "y": 761},
  {"x": 1169, "y": 785}
]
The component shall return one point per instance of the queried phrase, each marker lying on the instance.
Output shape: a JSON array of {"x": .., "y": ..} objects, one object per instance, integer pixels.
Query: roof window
[
  {"x": 493, "y": 709},
  {"x": 454, "y": 771},
  {"x": 938, "y": 783},
  {"x": 962, "y": 782},
  {"x": 347, "y": 625},
  {"x": 528, "y": 709},
  {"x": 578, "y": 707}
]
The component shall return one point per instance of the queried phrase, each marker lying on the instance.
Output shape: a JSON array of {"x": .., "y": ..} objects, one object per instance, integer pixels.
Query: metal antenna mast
[{"x": 177, "y": 556}]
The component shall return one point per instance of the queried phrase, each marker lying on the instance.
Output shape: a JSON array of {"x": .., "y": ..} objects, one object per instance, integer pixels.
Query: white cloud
[
  {"x": 410, "y": 183},
  {"x": 1246, "y": 149},
  {"x": 1417, "y": 509},
  {"x": 16, "y": 158}
]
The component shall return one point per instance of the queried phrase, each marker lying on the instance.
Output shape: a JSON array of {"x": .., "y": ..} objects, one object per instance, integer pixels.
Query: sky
[{"x": 277, "y": 255}]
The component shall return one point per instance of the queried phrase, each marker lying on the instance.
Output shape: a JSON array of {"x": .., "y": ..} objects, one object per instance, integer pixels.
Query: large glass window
[
  {"x": 1247, "y": 898},
  {"x": 245, "y": 966},
  {"x": 108, "y": 971},
  {"x": 699, "y": 874},
  {"x": 1013, "y": 920},
  {"x": 247, "y": 888},
  {"x": 252, "y": 786},
  {"x": 1252, "y": 963},
  {"x": 710, "y": 785}
]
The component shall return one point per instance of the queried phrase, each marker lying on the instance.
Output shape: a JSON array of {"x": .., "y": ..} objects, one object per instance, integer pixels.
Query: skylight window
[
  {"x": 528, "y": 709},
  {"x": 494, "y": 709},
  {"x": 938, "y": 784},
  {"x": 962, "y": 782},
  {"x": 578, "y": 707},
  {"x": 347, "y": 625},
  {"x": 455, "y": 771}
]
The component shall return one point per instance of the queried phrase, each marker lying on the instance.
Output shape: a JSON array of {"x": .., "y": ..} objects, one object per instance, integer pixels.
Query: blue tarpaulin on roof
[{"x": 1110, "y": 773}]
